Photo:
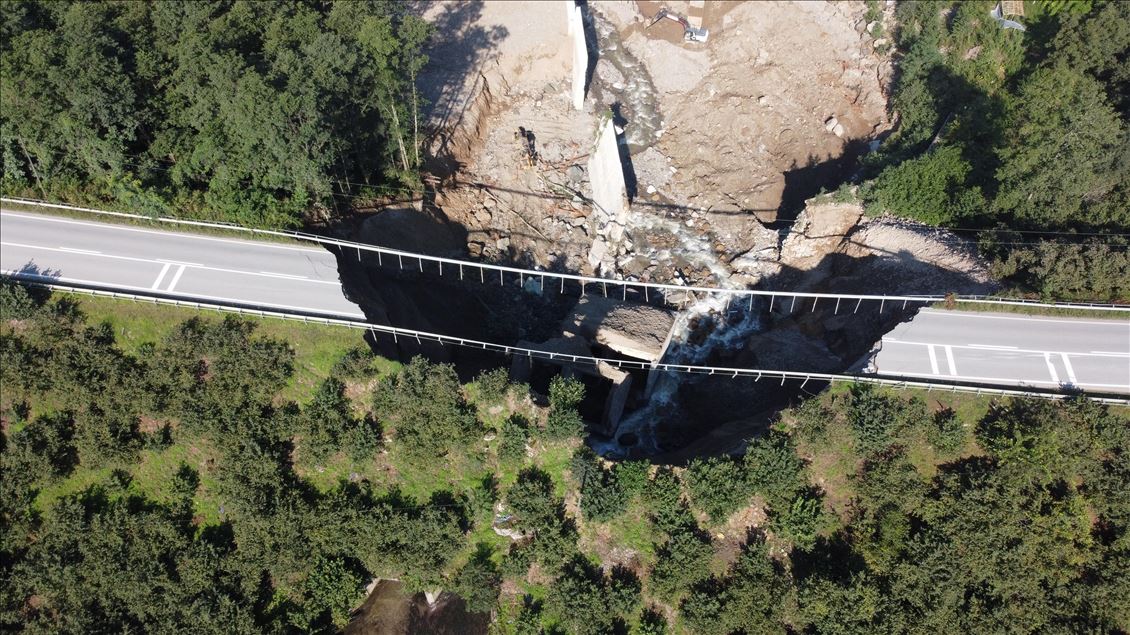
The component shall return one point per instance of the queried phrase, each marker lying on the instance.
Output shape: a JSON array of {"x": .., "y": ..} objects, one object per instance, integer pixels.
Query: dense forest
[
  {"x": 1024, "y": 136},
  {"x": 178, "y": 478},
  {"x": 273, "y": 113},
  {"x": 249, "y": 112}
]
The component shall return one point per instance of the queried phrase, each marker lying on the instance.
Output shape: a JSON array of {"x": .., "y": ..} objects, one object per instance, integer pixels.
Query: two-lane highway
[
  {"x": 948, "y": 346},
  {"x": 194, "y": 266},
  {"x": 1009, "y": 349}
]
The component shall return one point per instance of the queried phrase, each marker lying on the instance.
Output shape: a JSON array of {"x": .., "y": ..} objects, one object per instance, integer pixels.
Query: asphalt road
[
  {"x": 1010, "y": 349},
  {"x": 190, "y": 266},
  {"x": 999, "y": 349}
]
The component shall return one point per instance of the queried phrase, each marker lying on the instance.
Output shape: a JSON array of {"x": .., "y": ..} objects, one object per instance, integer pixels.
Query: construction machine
[{"x": 690, "y": 33}]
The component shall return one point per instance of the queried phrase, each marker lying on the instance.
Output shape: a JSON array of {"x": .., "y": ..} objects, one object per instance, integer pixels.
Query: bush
[
  {"x": 930, "y": 188},
  {"x": 1097, "y": 270},
  {"x": 665, "y": 500},
  {"x": 601, "y": 496},
  {"x": 355, "y": 363},
  {"x": 532, "y": 500},
  {"x": 800, "y": 521},
  {"x": 876, "y": 418},
  {"x": 493, "y": 386},
  {"x": 513, "y": 436},
  {"x": 563, "y": 420},
  {"x": 717, "y": 486},
  {"x": 773, "y": 469},
  {"x": 425, "y": 404},
  {"x": 478, "y": 582},
  {"x": 586, "y": 601},
  {"x": 15, "y": 302},
  {"x": 516, "y": 564},
  {"x": 632, "y": 477},
  {"x": 652, "y": 622},
  {"x": 946, "y": 432},
  {"x": 327, "y": 424},
  {"x": 682, "y": 562}
]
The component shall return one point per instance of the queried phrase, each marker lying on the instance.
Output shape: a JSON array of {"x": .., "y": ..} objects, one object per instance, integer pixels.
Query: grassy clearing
[
  {"x": 317, "y": 346},
  {"x": 1020, "y": 309}
]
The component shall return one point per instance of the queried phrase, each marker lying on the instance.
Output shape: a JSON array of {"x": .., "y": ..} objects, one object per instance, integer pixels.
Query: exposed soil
[
  {"x": 724, "y": 144},
  {"x": 721, "y": 133}
]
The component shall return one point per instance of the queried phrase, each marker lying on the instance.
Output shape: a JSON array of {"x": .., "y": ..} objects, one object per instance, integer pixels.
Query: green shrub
[
  {"x": 601, "y": 496},
  {"x": 930, "y": 188},
  {"x": 946, "y": 432},
  {"x": 682, "y": 562},
  {"x": 876, "y": 417},
  {"x": 665, "y": 501},
  {"x": 516, "y": 563},
  {"x": 773, "y": 468},
  {"x": 355, "y": 363},
  {"x": 424, "y": 402},
  {"x": 513, "y": 436},
  {"x": 717, "y": 486},
  {"x": 799, "y": 522},
  {"x": 15, "y": 302},
  {"x": 563, "y": 420},
  {"x": 493, "y": 386},
  {"x": 632, "y": 476},
  {"x": 652, "y": 622},
  {"x": 478, "y": 582}
]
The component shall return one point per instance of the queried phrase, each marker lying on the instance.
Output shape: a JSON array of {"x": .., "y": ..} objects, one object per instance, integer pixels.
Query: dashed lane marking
[
  {"x": 933, "y": 359},
  {"x": 1070, "y": 370},
  {"x": 949, "y": 360},
  {"x": 161, "y": 276},
  {"x": 1051, "y": 367},
  {"x": 176, "y": 278}
]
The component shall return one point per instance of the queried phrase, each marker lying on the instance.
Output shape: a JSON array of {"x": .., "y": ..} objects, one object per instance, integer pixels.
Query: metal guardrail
[
  {"x": 561, "y": 358},
  {"x": 662, "y": 290}
]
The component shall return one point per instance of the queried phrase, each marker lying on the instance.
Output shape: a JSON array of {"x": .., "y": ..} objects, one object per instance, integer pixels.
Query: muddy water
[
  {"x": 704, "y": 329},
  {"x": 636, "y": 95},
  {"x": 390, "y": 610}
]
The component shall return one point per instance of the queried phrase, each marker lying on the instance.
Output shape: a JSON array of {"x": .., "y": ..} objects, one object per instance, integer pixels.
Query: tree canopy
[{"x": 252, "y": 112}]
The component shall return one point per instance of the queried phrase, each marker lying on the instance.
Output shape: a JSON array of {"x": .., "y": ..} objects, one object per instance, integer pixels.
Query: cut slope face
[
  {"x": 745, "y": 115},
  {"x": 721, "y": 136}
]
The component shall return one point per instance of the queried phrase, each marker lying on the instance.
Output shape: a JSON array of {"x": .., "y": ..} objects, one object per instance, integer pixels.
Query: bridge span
[{"x": 935, "y": 347}]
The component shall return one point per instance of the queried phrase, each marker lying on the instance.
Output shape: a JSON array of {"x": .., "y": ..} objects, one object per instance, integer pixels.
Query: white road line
[
  {"x": 283, "y": 275},
  {"x": 990, "y": 316},
  {"x": 161, "y": 276},
  {"x": 110, "y": 226},
  {"x": 1051, "y": 367},
  {"x": 176, "y": 279},
  {"x": 1014, "y": 350},
  {"x": 994, "y": 347},
  {"x": 191, "y": 296},
  {"x": 81, "y": 251},
  {"x": 933, "y": 359},
  {"x": 180, "y": 262},
  {"x": 202, "y": 267},
  {"x": 949, "y": 360},
  {"x": 1012, "y": 381},
  {"x": 1070, "y": 370}
]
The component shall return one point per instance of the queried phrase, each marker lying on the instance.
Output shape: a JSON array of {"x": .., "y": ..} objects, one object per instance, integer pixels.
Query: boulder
[
  {"x": 634, "y": 330},
  {"x": 819, "y": 230}
]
